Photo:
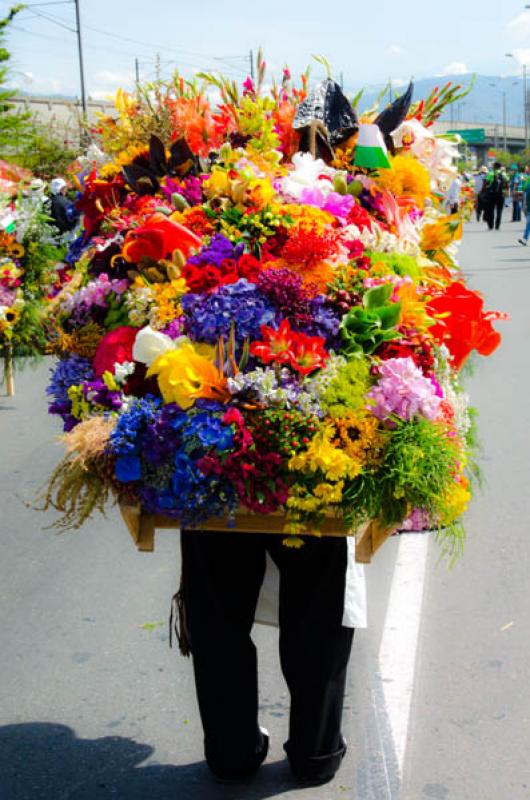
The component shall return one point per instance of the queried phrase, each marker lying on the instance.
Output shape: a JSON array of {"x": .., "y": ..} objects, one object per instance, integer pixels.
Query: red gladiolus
[
  {"x": 158, "y": 238},
  {"x": 114, "y": 348},
  {"x": 462, "y": 324}
]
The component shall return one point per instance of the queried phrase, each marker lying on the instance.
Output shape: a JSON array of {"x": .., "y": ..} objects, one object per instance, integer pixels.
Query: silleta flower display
[{"x": 263, "y": 316}]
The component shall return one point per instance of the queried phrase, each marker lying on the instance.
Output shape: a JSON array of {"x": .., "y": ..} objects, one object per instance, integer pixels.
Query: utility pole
[
  {"x": 251, "y": 56},
  {"x": 80, "y": 53},
  {"x": 504, "y": 120},
  {"x": 525, "y": 108},
  {"x": 137, "y": 70}
]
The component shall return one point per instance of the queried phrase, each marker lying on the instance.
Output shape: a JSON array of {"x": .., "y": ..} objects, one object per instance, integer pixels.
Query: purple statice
[
  {"x": 97, "y": 393},
  {"x": 80, "y": 304},
  {"x": 175, "y": 328},
  {"x": 69, "y": 371},
  {"x": 219, "y": 249},
  {"x": 7, "y": 296},
  {"x": 403, "y": 391},
  {"x": 210, "y": 316},
  {"x": 285, "y": 291}
]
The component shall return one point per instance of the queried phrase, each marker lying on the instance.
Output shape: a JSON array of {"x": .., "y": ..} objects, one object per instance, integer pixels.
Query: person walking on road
[
  {"x": 494, "y": 195},
  {"x": 526, "y": 201},
  {"x": 478, "y": 184},
  {"x": 65, "y": 216},
  {"x": 452, "y": 197},
  {"x": 221, "y": 580},
  {"x": 516, "y": 193}
]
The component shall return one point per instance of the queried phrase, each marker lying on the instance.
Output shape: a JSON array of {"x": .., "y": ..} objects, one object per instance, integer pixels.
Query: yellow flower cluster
[
  {"x": 166, "y": 298},
  {"x": 455, "y": 501},
  {"x": 359, "y": 435},
  {"x": 307, "y": 217},
  {"x": 407, "y": 177},
  {"x": 322, "y": 455},
  {"x": 126, "y": 156}
]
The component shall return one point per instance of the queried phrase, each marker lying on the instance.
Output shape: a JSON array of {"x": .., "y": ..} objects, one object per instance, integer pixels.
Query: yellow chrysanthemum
[
  {"x": 166, "y": 298},
  {"x": 307, "y": 217},
  {"x": 321, "y": 455},
  {"x": 406, "y": 178}
]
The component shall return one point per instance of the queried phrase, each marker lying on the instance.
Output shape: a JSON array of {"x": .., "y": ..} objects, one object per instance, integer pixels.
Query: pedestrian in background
[
  {"x": 493, "y": 196},
  {"x": 526, "y": 200},
  {"x": 478, "y": 183},
  {"x": 63, "y": 212},
  {"x": 452, "y": 197},
  {"x": 516, "y": 193}
]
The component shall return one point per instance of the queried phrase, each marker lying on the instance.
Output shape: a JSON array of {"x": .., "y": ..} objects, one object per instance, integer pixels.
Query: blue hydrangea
[{"x": 210, "y": 316}]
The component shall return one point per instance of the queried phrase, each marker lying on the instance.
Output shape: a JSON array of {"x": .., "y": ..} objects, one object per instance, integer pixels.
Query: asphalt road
[{"x": 94, "y": 705}]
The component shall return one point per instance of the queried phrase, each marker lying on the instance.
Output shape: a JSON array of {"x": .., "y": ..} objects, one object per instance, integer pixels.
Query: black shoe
[
  {"x": 246, "y": 774},
  {"x": 522, "y": 241}
]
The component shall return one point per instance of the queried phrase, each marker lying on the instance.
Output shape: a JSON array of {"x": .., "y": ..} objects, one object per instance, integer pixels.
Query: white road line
[{"x": 399, "y": 642}]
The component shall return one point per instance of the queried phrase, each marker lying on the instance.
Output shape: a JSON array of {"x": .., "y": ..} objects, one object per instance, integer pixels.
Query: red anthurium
[
  {"x": 462, "y": 324},
  {"x": 158, "y": 238}
]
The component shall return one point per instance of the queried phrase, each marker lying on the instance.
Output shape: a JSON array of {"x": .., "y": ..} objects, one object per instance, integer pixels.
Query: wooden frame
[{"x": 142, "y": 527}]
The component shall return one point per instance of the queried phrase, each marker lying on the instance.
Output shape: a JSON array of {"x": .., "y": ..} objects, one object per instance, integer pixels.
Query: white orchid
[{"x": 308, "y": 173}]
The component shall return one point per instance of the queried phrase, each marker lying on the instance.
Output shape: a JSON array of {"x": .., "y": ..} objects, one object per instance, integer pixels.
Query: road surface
[{"x": 94, "y": 705}]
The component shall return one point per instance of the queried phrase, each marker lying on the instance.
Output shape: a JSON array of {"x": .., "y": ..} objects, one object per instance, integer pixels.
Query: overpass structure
[{"x": 491, "y": 137}]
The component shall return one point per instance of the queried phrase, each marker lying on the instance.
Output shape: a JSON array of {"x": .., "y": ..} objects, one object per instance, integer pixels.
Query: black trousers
[
  {"x": 222, "y": 576},
  {"x": 493, "y": 209}
]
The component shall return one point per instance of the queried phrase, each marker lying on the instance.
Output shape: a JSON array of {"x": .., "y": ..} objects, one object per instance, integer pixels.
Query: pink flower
[{"x": 403, "y": 391}]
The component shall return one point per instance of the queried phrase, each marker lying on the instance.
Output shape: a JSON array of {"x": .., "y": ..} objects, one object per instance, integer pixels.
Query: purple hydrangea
[
  {"x": 322, "y": 320},
  {"x": 210, "y": 316},
  {"x": 403, "y": 391}
]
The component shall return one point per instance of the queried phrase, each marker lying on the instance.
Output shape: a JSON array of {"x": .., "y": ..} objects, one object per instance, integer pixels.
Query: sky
[{"x": 368, "y": 42}]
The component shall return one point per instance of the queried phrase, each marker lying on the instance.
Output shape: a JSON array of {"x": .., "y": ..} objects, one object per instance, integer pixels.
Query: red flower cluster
[
  {"x": 303, "y": 353},
  {"x": 462, "y": 324},
  {"x": 359, "y": 217},
  {"x": 251, "y": 467},
  {"x": 207, "y": 277}
]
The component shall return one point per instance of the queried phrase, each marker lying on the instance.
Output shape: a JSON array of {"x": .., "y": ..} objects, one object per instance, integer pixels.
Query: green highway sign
[{"x": 471, "y": 135}]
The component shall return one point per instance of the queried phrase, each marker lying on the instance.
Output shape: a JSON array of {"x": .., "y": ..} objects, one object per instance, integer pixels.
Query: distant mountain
[{"x": 483, "y": 104}]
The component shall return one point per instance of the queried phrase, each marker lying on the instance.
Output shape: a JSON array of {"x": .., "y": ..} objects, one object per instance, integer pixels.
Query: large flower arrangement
[
  {"x": 253, "y": 326},
  {"x": 28, "y": 260}
]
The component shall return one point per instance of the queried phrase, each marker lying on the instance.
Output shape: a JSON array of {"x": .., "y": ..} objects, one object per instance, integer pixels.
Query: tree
[{"x": 14, "y": 127}]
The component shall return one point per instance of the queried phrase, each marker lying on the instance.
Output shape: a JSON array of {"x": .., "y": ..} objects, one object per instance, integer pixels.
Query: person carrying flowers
[{"x": 263, "y": 331}]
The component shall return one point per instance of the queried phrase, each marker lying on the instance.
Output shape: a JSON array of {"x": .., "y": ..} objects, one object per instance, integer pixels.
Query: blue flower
[
  {"x": 240, "y": 304},
  {"x": 210, "y": 431},
  {"x": 128, "y": 468}
]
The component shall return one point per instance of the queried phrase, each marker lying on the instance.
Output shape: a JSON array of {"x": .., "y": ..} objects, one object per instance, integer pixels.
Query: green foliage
[
  {"x": 416, "y": 471},
  {"x": 366, "y": 327},
  {"x": 44, "y": 153},
  {"x": 13, "y": 126},
  {"x": 398, "y": 263}
]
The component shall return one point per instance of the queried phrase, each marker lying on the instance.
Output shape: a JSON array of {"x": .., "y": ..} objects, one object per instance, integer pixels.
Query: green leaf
[{"x": 377, "y": 296}]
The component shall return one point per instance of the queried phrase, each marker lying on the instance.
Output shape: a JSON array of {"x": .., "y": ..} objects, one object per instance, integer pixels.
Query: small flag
[{"x": 371, "y": 152}]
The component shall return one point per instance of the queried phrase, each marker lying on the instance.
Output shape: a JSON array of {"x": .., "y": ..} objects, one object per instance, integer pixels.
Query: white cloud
[
  {"x": 101, "y": 94},
  {"x": 32, "y": 83},
  {"x": 114, "y": 79},
  {"x": 397, "y": 83},
  {"x": 455, "y": 68},
  {"x": 519, "y": 27},
  {"x": 394, "y": 50},
  {"x": 521, "y": 55}
]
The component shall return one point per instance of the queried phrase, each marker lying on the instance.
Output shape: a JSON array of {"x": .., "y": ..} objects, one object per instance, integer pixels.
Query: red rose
[{"x": 115, "y": 348}]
